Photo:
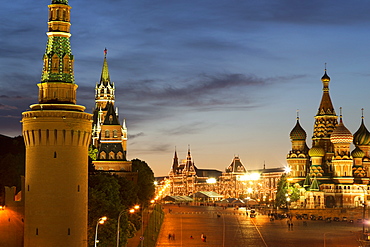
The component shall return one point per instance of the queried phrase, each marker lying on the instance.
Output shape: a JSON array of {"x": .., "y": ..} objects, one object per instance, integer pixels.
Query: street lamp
[
  {"x": 100, "y": 221},
  {"x": 131, "y": 211}
]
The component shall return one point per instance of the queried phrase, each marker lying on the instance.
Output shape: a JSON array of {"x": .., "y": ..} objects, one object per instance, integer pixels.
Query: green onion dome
[
  {"x": 341, "y": 134},
  {"x": 357, "y": 153},
  {"x": 362, "y": 135},
  {"x": 298, "y": 133},
  {"x": 316, "y": 151}
]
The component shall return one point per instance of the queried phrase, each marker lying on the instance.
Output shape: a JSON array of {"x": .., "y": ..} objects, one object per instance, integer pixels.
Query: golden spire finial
[{"x": 362, "y": 113}]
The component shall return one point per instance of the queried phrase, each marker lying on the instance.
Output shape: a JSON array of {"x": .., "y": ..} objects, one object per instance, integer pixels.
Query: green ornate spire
[
  {"x": 315, "y": 185},
  {"x": 105, "y": 79},
  {"x": 57, "y": 80},
  {"x": 58, "y": 58}
]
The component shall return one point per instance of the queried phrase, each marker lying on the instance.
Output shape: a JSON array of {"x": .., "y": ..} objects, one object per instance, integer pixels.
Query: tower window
[
  {"x": 55, "y": 155},
  {"x": 37, "y": 231},
  {"x": 78, "y": 188},
  {"x": 69, "y": 231},
  {"x": 107, "y": 134},
  {"x": 114, "y": 133}
]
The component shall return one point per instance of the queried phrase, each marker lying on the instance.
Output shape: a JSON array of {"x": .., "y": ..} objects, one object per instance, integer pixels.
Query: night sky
[{"x": 225, "y": 77}]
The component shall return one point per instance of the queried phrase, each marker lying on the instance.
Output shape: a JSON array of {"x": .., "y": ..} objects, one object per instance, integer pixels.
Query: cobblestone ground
[{"x": 233, "y": 228}]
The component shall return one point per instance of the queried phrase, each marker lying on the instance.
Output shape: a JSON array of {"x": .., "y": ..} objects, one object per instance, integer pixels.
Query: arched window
[{"x": 107, "y": 134}]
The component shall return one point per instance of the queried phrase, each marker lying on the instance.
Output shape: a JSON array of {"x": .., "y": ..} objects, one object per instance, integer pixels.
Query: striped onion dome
[
  {"x": 357, "y": 153},
  {"x": 316, "y": 151},
  {"x": 341, "y": 134},
  {"x": 362, "y": 135},
  {"x": 298, "y": 133}
]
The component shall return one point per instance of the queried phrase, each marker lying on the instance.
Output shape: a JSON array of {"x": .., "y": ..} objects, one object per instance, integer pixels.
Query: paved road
[
  {"x": 11, "y": 229},
  {"x": 233, "y": 229}
]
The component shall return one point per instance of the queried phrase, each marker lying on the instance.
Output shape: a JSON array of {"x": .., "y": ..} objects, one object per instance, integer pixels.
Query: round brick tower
[{"x": 57, "y": 134}]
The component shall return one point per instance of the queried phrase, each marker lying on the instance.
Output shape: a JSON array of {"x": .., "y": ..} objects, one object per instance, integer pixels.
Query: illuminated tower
[
  {"x": 361, "y": 154},
  {"x": 297, "y": 158},
  {"x": 325, "y": 123},
  {"x": 342, "y": 160},
  {"x": 57, "y": 133},
  {"x": 105, "y": 96}
]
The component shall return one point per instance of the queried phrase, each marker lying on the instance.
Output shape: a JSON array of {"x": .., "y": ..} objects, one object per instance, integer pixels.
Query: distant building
[{"x": 185, "y": 179}]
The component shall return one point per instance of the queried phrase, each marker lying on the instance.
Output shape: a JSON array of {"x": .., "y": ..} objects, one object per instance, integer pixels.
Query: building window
[
  {"x": 37, "y": 231},
  {"x": 107, "y": 134},
  {"x": 114, "y": 133},
  {"x": 69, "y": 231}
]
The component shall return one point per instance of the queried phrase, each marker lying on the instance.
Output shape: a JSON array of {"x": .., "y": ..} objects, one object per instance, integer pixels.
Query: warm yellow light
[
  {"x": 152, "y": 201},
  {"x": 104, "y": 218},
  {"x": 136, "y": 207},
  {"x": 132, "y": 210},
  {"x": 287, "y": 169},
  {"x": 250, "y": 190},
  {"x": 211, "y": 181}
]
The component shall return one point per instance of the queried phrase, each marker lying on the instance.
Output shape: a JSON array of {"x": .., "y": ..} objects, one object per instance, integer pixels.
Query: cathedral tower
[
  {"x": 297, "y": 158},
  {"x": 325, "y": 123},
  {"x": 57, "y": 133},
  {"x": 342, "y": 161}
]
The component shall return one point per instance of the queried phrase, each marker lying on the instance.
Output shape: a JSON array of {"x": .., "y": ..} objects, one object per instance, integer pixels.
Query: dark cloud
[
  {"x": 186, "y": 129},
  {"x": 133, "y": 136}
]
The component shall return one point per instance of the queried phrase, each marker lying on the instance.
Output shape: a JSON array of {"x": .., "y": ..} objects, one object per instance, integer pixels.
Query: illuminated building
[
  {"x": 57, "y": 133},
  {"x": 108, "y": 135},
  {"x": 332, "y": 174},
  {"x": 186, "y": 179}
]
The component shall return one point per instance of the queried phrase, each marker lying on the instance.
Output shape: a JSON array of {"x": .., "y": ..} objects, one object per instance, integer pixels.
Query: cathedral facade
[{"x": 332, "y": 174}]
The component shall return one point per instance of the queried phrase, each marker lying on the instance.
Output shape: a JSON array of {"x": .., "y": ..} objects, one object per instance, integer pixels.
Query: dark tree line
[{"x": 109, "y": 195}]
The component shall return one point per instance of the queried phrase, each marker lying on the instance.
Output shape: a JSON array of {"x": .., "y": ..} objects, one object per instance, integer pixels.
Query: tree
[
  {"x": 285, "y": 190},
  {"x": 145, "y": 182}
]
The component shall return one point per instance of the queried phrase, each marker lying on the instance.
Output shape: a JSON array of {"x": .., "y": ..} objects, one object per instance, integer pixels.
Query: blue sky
[{"x": 225, "y": 77}]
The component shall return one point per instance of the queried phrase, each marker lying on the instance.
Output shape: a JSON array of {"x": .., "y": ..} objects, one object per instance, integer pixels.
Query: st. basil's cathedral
[{"x": 332, "y": 174}]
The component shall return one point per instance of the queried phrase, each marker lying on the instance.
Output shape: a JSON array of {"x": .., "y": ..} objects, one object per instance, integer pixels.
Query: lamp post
[
  {"x": 131, "y": 211},
  {"x": 100, "y": 221}
]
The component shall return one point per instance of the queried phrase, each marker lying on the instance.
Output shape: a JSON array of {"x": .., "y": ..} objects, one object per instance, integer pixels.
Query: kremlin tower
[
  {"x": 108, "y": 135},
  {"x": 57, "y": 134}
]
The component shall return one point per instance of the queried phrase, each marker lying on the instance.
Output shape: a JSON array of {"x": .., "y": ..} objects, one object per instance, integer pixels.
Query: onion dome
[
  {"x": 298, "y": 133},
  {"x": 357, "y": 153},
  {"x": 316, "y": 151},
  {"x": 341, "y": 134},
  {"x": 362, "y": 135},
  {"x": 325, "y": 77}
]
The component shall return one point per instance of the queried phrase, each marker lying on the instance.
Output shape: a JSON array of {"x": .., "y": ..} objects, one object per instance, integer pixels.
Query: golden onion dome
[
  {"x": 341, "y": 134},
  {"x": 325, "y": 77},
  {"x": 316, "y": 151},
  {"x": 298, "y": 133}
]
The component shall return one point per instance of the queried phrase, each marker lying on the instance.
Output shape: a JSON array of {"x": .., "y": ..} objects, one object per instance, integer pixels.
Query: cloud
[
  {"x": 7, "y": 107},
  {"x": 133, "y": 136},
  {"x": 186, "y": 129}
]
